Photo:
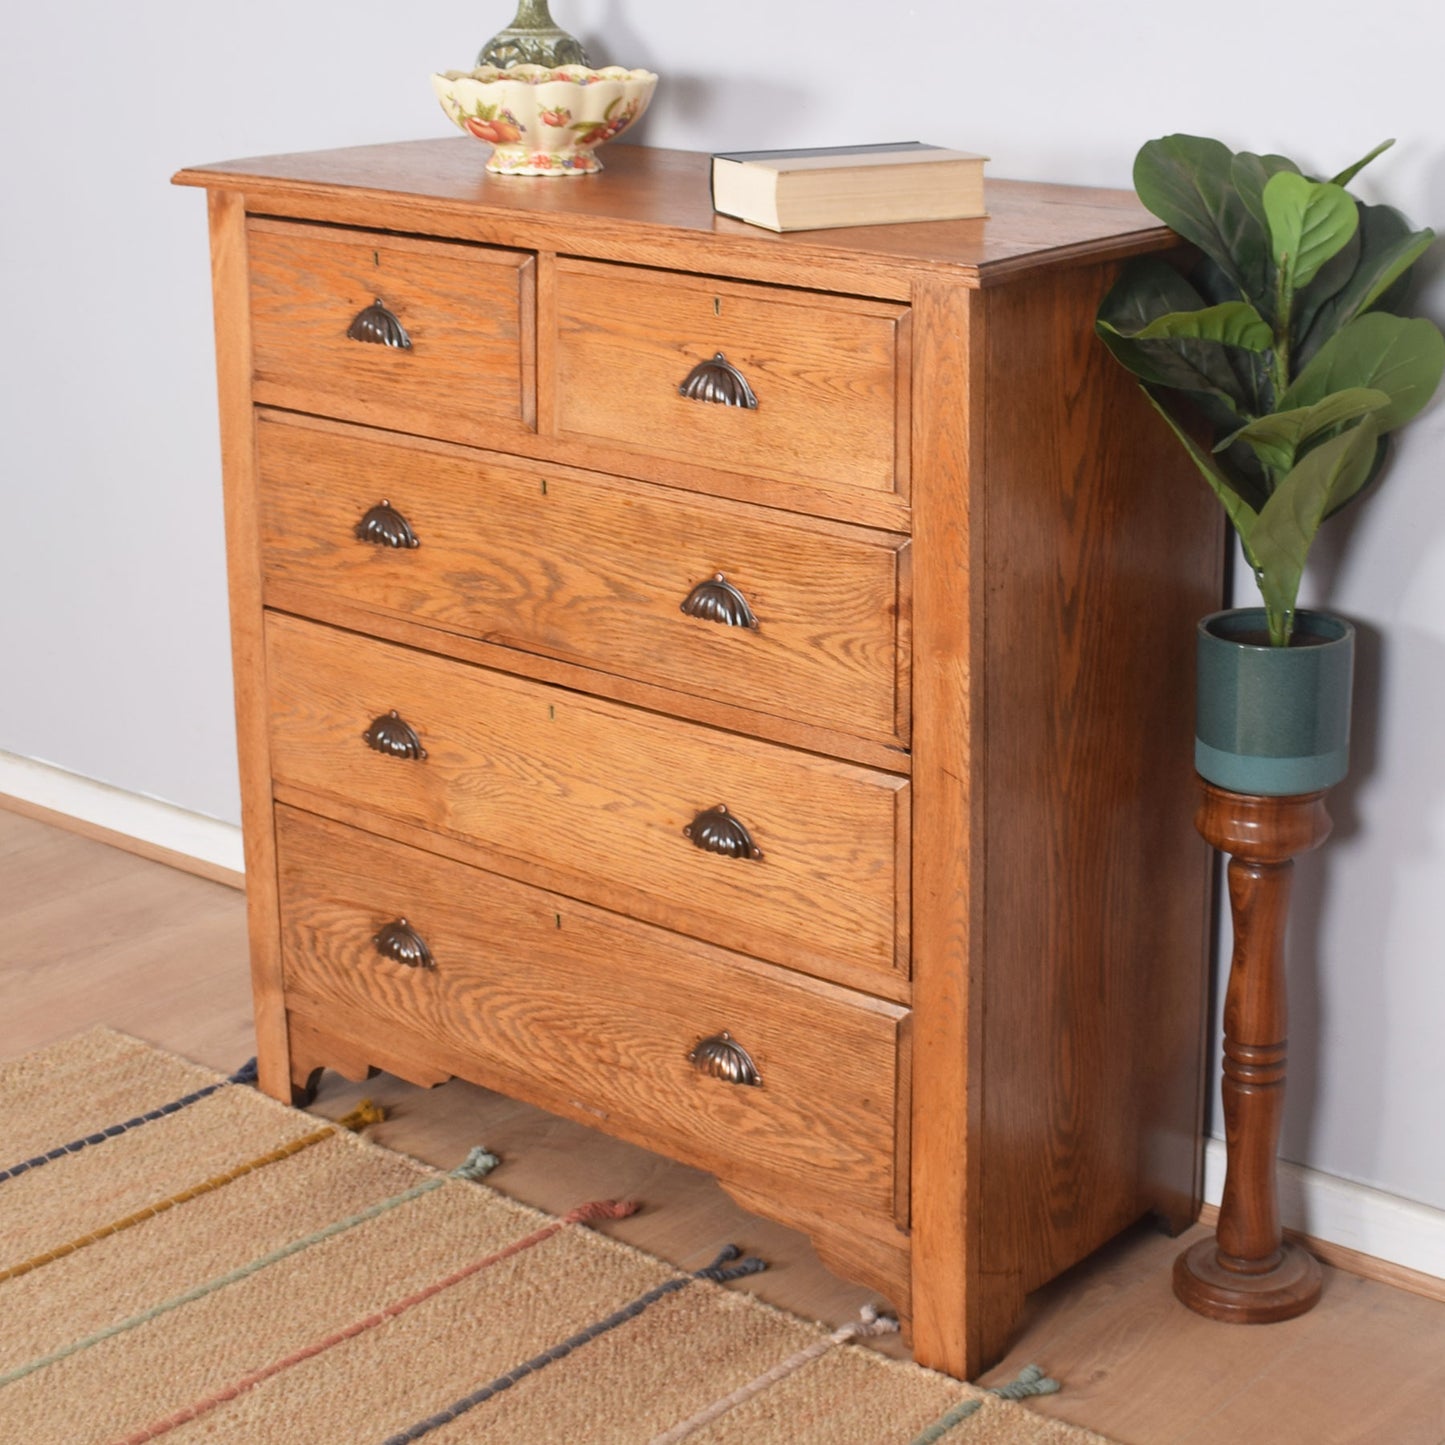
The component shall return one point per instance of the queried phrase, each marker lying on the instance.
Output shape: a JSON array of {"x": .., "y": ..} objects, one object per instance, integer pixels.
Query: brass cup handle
[
  {"x": 720, "y": 1056},
  {"x": 717, "y": 600},
  {"x": 717, "y": 831},
  {"x": 401, "y": 943},
  {"x": 393, "y": 736},
  {"x": 384, "y": 526},
  {"x": 719, "y": 382},
  {"x": 379, "y": 326}
]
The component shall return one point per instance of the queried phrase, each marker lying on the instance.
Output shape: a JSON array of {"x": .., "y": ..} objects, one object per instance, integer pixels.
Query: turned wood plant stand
[{"x": 1248, "y": 1273}]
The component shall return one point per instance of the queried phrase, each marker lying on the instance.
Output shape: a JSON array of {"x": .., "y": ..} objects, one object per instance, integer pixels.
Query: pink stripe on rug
[{"x": 583, "y": 1214}]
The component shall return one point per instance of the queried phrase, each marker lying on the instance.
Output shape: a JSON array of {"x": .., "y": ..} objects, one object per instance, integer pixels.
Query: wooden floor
[{"x": 90, "y": 934}]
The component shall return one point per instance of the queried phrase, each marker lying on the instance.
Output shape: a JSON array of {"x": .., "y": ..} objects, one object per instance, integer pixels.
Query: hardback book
[{"x": 870, "y": 185}]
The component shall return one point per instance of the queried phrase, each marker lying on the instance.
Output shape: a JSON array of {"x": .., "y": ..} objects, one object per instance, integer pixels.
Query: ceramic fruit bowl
[{"x": 541, "y": 121}]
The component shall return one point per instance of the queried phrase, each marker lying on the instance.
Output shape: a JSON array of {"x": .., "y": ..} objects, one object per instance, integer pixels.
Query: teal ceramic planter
[{"x": 1273, "y": 720}]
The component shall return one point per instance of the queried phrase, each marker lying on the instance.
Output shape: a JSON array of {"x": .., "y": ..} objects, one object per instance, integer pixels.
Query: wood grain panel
[
  {"x": 1103, "y": 552},
  {"x": 248, "y": 649},
  {"x": 825, "y": 370},
  {"x": 559, "y": 1001},
  {"x": 594, "y": 571},
  {"x": 600, "y": 794},
  {"x": 469, "y": 374},
  {"x": 310, "y": 602},
  {"x": 958, "y": 1315}
]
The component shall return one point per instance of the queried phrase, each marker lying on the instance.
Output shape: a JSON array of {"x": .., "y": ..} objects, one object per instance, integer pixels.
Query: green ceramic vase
[
  {"x": 533, "y": 38},
  {"x": 1273, "y": 720}
]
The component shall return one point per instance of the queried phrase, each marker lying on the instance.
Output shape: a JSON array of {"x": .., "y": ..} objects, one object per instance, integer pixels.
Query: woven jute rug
[{"x": 182, "y": 1258}]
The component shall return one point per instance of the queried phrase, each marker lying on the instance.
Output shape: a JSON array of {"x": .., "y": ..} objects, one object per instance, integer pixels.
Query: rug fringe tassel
[
  {"x": 1030, "y": 1381},
  {"x": 362, "y": 1116},
  {"x": 602, "y": 1209},
  {"x": 719, "y": 1275},
  {"x": 478, "y": 1164}
]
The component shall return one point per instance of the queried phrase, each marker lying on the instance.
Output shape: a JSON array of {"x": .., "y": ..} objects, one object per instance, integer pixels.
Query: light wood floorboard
[{"x": 90, "y": 934}]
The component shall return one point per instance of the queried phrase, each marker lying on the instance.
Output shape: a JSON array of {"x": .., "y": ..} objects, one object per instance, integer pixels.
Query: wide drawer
[
  {"x": 594, "y": 1015},
  {"x": 713, "y": 599},
  {"x": 594, "y": 798},
  {"x": 466, "y": 313},
  {"x": 827, "y": 375}
]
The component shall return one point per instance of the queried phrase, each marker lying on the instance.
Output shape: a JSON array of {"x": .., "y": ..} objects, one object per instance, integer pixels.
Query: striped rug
[{"x": 183, "y": 1259}]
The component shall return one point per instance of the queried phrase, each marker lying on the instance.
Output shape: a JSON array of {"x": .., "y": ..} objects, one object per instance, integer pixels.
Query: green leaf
[
  {"x": 1377, "y": 465},
  {"x": 1255, "y": 388},
  {"x": 1308, "y": 223},
  {"x": 1146, "y": 290},
  {"x": 1350, "y": 172},
  {"x": 1193, "y": 367},
  {"x": 1277, "y": 439},
  {"x": 1388, "y": 262},
  {"x": 1387, "y": 250},
  {"x": 1280, "y": 538},
  {"x": 1185, "y": 181},
  {"x": 1403, "y": 358},
  {"x": 1248, "y": 173},
  {"x": 1232, "y": 323},
  {"x": 1236, "y": 508}
]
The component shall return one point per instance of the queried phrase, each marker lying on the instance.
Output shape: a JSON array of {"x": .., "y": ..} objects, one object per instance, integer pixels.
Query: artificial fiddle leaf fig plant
[{"x": 1285, "y": 341}]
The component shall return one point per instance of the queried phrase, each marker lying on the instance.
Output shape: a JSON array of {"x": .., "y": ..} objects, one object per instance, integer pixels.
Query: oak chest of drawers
[{"x": 732, "y": 689}]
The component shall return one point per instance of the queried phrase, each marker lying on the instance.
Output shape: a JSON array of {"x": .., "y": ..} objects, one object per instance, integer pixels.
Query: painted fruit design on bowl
[{"x": 494, "y": 124}]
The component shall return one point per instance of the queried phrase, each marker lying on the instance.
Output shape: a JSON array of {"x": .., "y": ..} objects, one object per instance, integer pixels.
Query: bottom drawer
[{"x": 596, "y": 1016}]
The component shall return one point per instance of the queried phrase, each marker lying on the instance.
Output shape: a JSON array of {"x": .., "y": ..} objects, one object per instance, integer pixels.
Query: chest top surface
[{"x": 1028, "y": 224}]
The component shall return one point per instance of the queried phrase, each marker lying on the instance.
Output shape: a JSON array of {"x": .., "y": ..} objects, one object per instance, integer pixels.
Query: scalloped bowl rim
[{"x": 581, "y": 76}]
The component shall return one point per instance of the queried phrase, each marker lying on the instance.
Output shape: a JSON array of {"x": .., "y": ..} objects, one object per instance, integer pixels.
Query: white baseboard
[
  {"x": 148, "y": 819},
  {"x": 1351, "y": 1215}
]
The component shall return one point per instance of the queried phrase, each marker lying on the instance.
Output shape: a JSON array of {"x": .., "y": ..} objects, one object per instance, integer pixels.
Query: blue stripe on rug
[
  {"x": 715, "y": 1272},
  {"x": 246, "y": 1074}
]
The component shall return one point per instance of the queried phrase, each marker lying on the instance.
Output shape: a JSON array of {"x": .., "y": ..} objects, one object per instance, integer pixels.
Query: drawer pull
[
  {"x": 722, "y": 1057},
  {"x": 717, "y": 600},
  {"x": 401, "y": 943},
  {"x": 384, "y": 526},
  {"x": 393, "y": 735},
  {"x": 719, "y": 381},
  {"x": 380, "y": 327},
  {"x": 717, "y": 831}
]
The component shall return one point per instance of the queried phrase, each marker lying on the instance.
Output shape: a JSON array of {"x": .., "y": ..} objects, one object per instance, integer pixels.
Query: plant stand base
[
  {"x": 1247, "y": 1273},
  {"x": 1209, "y": 1287}
]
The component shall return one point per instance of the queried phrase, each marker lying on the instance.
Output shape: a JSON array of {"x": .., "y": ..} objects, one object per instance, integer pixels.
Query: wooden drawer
[
  {"x": 592, "y": 798},
  {"x": 595, "y": 1015},
  {"x": 594, "y": 571},
  {"x": 829, "y": 375},
  {"x": 467, "y": 311}
]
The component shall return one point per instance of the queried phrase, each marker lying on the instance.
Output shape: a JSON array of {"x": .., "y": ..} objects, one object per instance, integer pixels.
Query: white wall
[{"x": 113, "y": 653}]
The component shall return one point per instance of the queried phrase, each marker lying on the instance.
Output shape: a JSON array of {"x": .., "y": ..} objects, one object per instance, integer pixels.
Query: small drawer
[
  {"x": 807, "y": 866},
  {"x": 791, "y": 618},
  {"x": 595, "y": 1015},
  {"x": 431, "y": 337},
  {"x": 792, "y": 385}
]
